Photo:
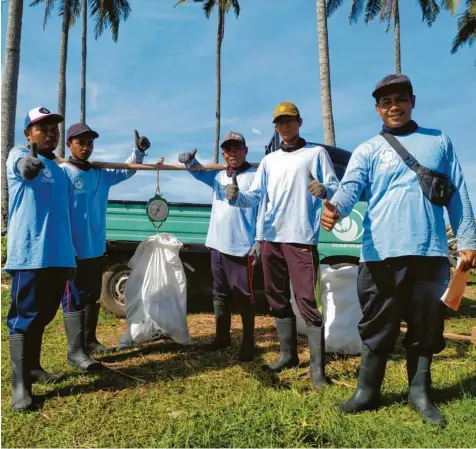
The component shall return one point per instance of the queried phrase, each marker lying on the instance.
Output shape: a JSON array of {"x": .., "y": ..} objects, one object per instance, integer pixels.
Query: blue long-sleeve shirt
[
  {"x": 290, "y": 213},
  {"x": 88, "y": 204},
  {"x": 400, "y": 220},
  {"x": 231, "y": 231},
  {"x": 39, "y": 228}
]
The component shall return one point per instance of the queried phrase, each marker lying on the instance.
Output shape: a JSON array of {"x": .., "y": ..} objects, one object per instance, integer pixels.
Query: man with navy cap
[
  {"x": 289, "y": 231},
  {"x": 404, "y": 267},
  {"x": 40, "y": 251},
  {"x": 88, "y": 206},
  {"x": 231, "y": 239}
]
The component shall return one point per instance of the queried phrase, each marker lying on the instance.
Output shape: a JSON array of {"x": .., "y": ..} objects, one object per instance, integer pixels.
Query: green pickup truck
[{"x": 127, "y": 225}]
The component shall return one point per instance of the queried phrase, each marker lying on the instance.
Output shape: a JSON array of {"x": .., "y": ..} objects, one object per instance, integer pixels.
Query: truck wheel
[{"x": 113, "y": 285}]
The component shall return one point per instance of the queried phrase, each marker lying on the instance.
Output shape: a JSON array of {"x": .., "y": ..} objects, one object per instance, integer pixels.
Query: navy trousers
[
  {"x": 407, "y": 288},
  {"x": 86, "y": 287},
  {"x": 232, "y": 277},
  {"x": 35, "y": 298}
]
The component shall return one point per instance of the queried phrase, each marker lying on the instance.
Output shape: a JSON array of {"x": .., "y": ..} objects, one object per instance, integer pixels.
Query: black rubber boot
[
  {"x": 247, "y": 350},
  {"x": 418, "y": 369},
  {"x": 222, "y": 326},
  {"x": 371, "y": 374},
  {"x": 37, "y": 373},
  {"x": 91, "y": 344},
  {"x": 77, "y": 357},
  {"x": 287, "y": 334},
  {"x": 21, "y": 384},
  {"x": 315, "y": 336}
]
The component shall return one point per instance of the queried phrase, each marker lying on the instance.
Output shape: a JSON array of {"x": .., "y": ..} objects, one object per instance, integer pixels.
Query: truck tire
[{"x": 114, "y": 280}]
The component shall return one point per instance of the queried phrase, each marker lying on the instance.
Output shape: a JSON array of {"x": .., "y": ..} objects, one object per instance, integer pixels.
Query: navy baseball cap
[
  {"x": 42, "y": 114},
  {"x": 80, "y": 128},
  {"x": 392, "y": 80},
  {"x": 233, "y": 136}
]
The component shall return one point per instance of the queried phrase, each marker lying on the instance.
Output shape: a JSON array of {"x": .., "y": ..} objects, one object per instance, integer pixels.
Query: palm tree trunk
[
  {"x": 9, "y": 94},
  {"x": 62, "y": 76},
  {"x": 221, "y": 19},
  {"x": 398, "y": 60},
  {"x": 83, "y": 60},
  {"x": 325, "y": 75}
]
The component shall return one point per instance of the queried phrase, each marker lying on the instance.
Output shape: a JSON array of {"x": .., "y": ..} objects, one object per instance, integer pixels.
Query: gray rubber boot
[
  {"x": 419, "y": 379},
  {"x": 222, "y": 326},
  {"x": 77, "y": 357},
  {"x": 21, "y": 384},
  {"x": 287, "y": 334},
  {"x": 91, "y": 344},
  {"x": 371, "y": 374},
  {"x": 248, "y": 350},
  {"x": 37, "y": 373},
  {"x": 315, "y": 336}
]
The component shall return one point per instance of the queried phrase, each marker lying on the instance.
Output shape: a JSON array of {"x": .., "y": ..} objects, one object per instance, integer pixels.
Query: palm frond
[
  {"x": 466, "y": 31},
  {"x": 386, "y": 12},
  {"x": 108, "y": 14},
  {"x": 332, "y": 6},
  {"x": 450, "y": 5},
  {"x": 235, "y": 5},
  {"x": 75, "y": 11},
  {"x": 356, "y": 10},
  {"x": 372, "y": 8},
  {"x": 208, "y": 6},
  {"x": 430, "y": 11},
  {"x": 49, "y": 5},
  {"x": 181, "y": 2}
]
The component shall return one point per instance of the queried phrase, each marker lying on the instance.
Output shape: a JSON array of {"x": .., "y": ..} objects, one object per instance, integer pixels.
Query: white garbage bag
[
  {"x": 341, "y": 309},
  {"x": 156, "y": 292}
]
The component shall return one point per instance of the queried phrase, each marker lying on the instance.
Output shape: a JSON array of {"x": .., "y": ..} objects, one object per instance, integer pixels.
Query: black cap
[
  {"x": 392, "y": 80},
  {"x": 80, "y": 128}
]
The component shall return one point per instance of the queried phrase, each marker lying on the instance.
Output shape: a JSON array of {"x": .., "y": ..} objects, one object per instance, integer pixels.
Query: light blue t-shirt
[
  {"x": 231, "y": 231},
  {"x": 290, "y": 214},
  {"x": 39, "y": 229},
  {"x": 400, "y": 220},
  {"x": 88, "y": 204}
]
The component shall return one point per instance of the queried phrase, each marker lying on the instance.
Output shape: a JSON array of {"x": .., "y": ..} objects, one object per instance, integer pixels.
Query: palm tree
[
  {"x": 9, "y": 94},
  {"x": 389, "y": 11},
  {"x": 325, "y": 74},
  {"x": 223, "y": 7},
  {"x": 466, "y": 27},
  {"x": 108, "y": 15}
]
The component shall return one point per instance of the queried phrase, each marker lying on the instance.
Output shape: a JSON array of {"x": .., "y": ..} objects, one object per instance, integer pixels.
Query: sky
[{"x": 159, "y": 78}]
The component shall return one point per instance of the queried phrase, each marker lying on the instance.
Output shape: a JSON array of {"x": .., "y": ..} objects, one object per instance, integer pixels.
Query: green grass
[{"x": 183, "y": 397}]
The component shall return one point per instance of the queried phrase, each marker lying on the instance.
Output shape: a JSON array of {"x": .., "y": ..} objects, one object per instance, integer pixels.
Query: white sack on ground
[
  {"x": 156, "y": 292},
  {"x": 341, "y": 309}
]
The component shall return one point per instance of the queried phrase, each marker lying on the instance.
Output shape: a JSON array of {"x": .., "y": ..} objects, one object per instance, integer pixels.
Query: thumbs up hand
[
  {"x": 329, "y": 217},
  {"x": 142, "y": 143},
  {"x": 232, "y": 189},
  {"x": 315, "y": 187},
  {"x": 29, "y": 166}
]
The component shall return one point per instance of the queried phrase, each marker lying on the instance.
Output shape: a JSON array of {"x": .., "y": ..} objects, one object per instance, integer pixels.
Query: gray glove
[
  {"x": 186, "y": 158},
  {"x": 256, "y": 252},
  {"x": 142, "y": 142},
  {"x": 315, "y": 187},
  {"x": 232, "y": 189},
  {"x": 29, "y": 166}
]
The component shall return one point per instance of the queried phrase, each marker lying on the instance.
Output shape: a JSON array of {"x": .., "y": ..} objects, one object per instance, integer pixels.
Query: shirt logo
[
  {"x": 350, "y": 228},
  {"x": 78, "y": 183},
  {"x": 47, "y": 172},
  {"x": 387, "y": 160}
]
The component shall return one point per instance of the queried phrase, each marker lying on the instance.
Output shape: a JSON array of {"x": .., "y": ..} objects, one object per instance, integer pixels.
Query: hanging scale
[{"x": 157, "y": 207}]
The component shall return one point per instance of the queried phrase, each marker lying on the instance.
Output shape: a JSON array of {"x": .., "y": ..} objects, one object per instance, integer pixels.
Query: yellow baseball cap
[{"x": 285, "y": 108}]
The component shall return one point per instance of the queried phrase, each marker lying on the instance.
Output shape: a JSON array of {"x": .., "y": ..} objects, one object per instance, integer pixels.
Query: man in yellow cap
[{"x": 289, "y": 231}]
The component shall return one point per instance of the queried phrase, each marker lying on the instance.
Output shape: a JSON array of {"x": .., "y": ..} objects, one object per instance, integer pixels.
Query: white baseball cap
[{"x": 41, "y": 113}]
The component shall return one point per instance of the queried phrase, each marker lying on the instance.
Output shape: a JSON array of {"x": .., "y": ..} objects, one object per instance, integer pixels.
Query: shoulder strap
[{"x": 409, "y": 160}]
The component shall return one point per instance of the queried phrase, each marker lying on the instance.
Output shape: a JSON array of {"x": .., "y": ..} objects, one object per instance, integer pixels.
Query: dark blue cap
[
  {"x": 392, "y": 80},
  {"x": 80, "y": 128}
]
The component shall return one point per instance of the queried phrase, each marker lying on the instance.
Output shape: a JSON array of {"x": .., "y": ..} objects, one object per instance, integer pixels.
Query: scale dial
[{"x": 157, "y": 209}]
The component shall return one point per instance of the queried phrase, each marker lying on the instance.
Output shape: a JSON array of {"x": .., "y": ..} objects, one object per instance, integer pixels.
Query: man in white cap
[{"x": 40, "y": 252}]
